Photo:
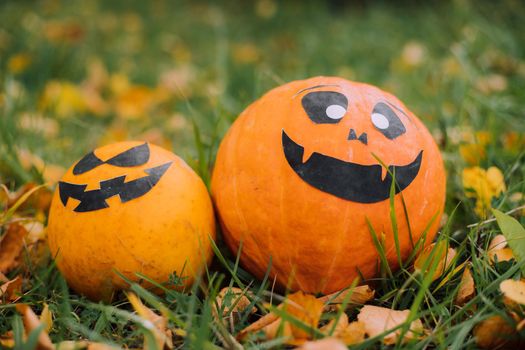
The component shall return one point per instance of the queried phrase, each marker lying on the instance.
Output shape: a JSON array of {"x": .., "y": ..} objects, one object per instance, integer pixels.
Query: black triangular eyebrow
[{"x": 135, "y": 156}]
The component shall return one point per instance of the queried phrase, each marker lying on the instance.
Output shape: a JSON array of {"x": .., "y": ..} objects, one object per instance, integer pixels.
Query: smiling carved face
[{"x": 304, "y": 167}]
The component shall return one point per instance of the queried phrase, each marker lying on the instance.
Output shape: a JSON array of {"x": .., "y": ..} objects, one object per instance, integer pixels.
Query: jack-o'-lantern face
[
  {"x": 308, "y": 168},
  {"x": 374, "y": 127},
  {"x": 121, "y": 185}
]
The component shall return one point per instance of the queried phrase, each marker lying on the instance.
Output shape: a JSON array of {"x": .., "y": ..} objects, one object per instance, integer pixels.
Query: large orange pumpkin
[
  {"x": 297, "y": 176},
  {"x": 129, "y": 208}
]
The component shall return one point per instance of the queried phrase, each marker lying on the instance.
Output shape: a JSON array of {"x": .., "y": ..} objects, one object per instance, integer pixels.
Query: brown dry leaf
[
  {"x": 495, "y": 333},
  {"x": 46, "y": 317},
  {"x": 31, "y": 322},
  {"x": 232, "y": 301},
  {"x": 11, "y": 245},
  {"x": 498, "y": 242},
  {"x": 84, "y": 344},
  {"x": 340, "y": 325},
  {"x": 354, "y": 333},
  {"x": 377, "y": 320},
  {"x": 466, "y": 288},
  {"x": 427, "y": 259},
  {"x": 323, "y": 344},
  {"x": 264, "y": 321},
  {"x": 353, "y": 296},
  {"x": 500, "y": 255},
  {"x": 305, "y": 308},
  {"x": 162, "y": 335},
  {"x": 513, "y": 292},
  {"x": 11, "y": 290}
]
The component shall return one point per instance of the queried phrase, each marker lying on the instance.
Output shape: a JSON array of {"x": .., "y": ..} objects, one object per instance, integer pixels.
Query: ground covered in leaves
[{"x": 77, "y": 74}]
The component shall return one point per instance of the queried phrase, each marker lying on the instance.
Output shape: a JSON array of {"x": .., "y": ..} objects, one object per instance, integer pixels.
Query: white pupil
[
  {"x": 335, "y": 112},
  {"x": 380, "y": 121}
]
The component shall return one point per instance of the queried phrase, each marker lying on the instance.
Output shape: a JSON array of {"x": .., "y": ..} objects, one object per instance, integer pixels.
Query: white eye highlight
[
  {"x": 380, "y": 121},
  {"x": 335, "y": 112}
]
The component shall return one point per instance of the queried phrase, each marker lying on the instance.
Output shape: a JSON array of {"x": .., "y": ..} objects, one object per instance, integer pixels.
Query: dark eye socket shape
[
  {"x": 325, "y": 107},
  {"x": 386, "y": 121},
  {"x": 135, "y": 156}
]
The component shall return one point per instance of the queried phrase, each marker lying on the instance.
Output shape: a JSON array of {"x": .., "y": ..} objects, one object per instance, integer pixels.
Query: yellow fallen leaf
[
  {"x": 483, "y": 185},
  {"x": 513, "y": 291},
  {"x": 323, "y": 344},
  {"x": 84, "y": 344},
  {"x": 498, "y": 250},
  {"x": 354, "y": 333},
  {"x": 46, "y": 317},
  {"x": 495, "y": 332},
  {"x": 31, "y": 322},
  {"x": 466, "y": 288},
  {"x": 232, "y": 301},
  {"x": 11, "y": 290},
  {"x": 11, "y": 245},
  {"x": 305, "y": 308},
  {"x": 437, "y": 256},
  {"x": 162, "y": 334},
  {"x": 337, "y": 326},
  {"x": 377, "y": 320},
  {"x": 498, "y": 242},
  {"x": 352, "y": 296}
]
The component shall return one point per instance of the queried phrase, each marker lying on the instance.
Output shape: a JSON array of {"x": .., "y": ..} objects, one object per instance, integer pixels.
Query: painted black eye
[
  {"x": 325, "y": 107},
  {"x": 135, "y": 156},
  {"x": 386, "y": 121}
]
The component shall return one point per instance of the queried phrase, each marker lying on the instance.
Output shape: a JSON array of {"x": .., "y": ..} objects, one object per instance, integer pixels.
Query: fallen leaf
[
  {"x": 513, "y": 292},
  {"x": 230, "y": 302},
  {"x": 163, "y": 336},
  {"x": 466, "y": 288},
  {"x": 354, "y": 333},
  {"x": 340, "y": 326},
  {"x": 498, "y": 242},
  {"x": 352, "y": 296},
  {"x": 323, "y": 344},
  {"x": 264, "y": 321},
  {"x": 84, "y": 344},
  {"x": 437, "y": 257},
  {"x": 514, "y": 233},
  {"x": 377, "y": 320},
  {"x": 11, "y": 290},
  {"x": 305, "y": 308},
  {"x": 11, "y": 245},
  {"x": 495, "y": 332},
  {"x": 32, "y": 322},
  {"x": 46, "y": 317}
]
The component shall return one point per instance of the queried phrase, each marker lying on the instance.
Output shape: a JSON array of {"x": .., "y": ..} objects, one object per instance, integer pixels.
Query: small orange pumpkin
[
  {"x": 298, "y": 174},
  {"x": 128, "y": 208}
]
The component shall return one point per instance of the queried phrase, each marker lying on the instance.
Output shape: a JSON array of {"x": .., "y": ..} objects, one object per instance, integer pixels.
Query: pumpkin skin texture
[
  {"x": 296, "y": 178},
  {"x": 129, "y": 207}
]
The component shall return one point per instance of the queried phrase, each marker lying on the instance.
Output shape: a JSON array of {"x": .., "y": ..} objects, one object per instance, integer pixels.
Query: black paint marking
[
  {"x": 395, "y": 126},
  {"x": 316, "y": 103},
  {"x": 346, "y": 180},
  {"x": 96, "y": 199},
  {"x": 135, "y": 156}
]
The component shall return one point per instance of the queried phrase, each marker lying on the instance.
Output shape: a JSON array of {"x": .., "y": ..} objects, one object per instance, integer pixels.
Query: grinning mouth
[
  {"x": 96, "y": 199},
  {"x": 346, "y": 180}
]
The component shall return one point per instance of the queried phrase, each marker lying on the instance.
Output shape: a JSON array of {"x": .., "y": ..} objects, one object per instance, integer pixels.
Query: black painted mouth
[
  {"x": 96, "y": 199},
  {"x": 346, "y": 180}
]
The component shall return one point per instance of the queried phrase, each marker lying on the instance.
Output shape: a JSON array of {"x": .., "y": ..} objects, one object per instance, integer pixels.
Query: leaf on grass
[
  {"x": 514, "y": 233},
  {"x": 324, "y": 344},
  {"x": 46, "y": 317},
  {"x": 466, "y": 288},
  {"x": 495, "y": 332},
  {"x": 352, "y": 296},
  {"x": 232, "y": 301},
  {"x": 305, "y": 308},
  {"x": 84, "y": 344},
  {"x": 354, "y": 333},
  {"x": 377, "y": 320},
  {"x": 436, "y": 257},
  {"x": 335, "y": 326},
  {"x": 513, "y": 292},
  {"x": 32, "y": 322},
  {"x": 11, "y": 290},
  {"x": 11, "y": 245},
  {"x": 153, "y": 322}
]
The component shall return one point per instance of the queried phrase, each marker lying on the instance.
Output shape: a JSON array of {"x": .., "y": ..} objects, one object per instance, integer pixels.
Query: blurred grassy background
[{"x": 77, "y": 74}]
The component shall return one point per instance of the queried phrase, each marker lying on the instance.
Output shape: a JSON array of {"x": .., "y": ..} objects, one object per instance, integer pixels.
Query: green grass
[{"x": 232, "y": 54}]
